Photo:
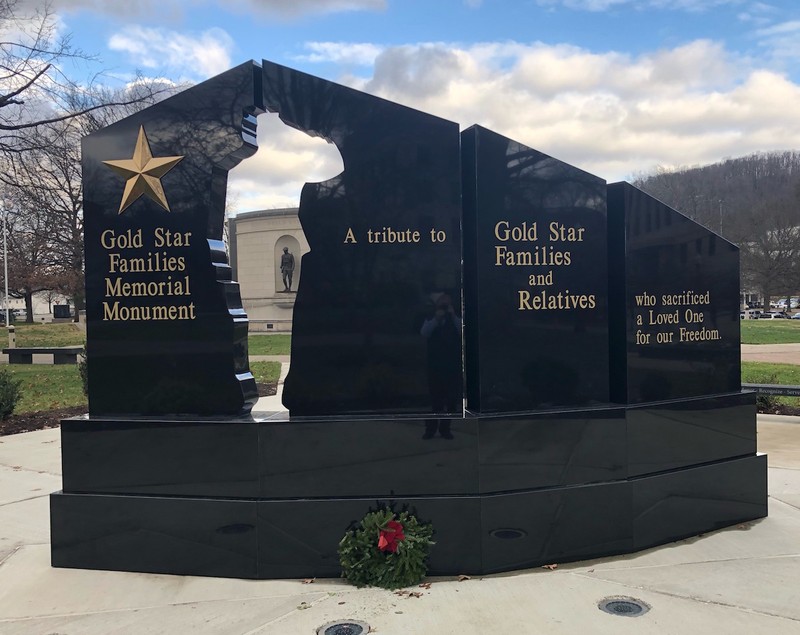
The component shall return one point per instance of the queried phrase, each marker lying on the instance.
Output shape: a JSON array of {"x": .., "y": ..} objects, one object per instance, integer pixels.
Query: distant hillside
[{"x": 753, "y": 201}]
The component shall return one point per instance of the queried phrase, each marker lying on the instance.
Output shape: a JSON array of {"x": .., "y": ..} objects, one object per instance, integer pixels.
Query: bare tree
[
  {"x": 753, "y": 201},
  {"x": 43, "y": 114},
  {"x": 771, "y": 255},
  {"x": 45, "y": 182},
  {"x": 35, "y": 89},
  {"x": 30, "y": 263}
]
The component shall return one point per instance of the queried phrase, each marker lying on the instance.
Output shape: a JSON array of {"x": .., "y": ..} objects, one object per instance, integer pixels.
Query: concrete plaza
[{"x": 743, "y": 579}]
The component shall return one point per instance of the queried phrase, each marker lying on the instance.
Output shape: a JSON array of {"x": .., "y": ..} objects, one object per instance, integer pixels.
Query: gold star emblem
[{"x": 143, "y": 173}]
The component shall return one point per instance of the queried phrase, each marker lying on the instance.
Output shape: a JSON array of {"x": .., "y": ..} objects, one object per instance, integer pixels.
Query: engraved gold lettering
[
  {"x": 562, "y": 233},
  {"x": 122, "y": 313},
  {"x": 163, "y": 237},
  {"x": 130, "y": 239},
  {"x": 522, "y": 233}
]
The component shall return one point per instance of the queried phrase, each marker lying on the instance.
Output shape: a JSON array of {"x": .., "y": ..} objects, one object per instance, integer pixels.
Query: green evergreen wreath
[{"x": 386, "y": 550}]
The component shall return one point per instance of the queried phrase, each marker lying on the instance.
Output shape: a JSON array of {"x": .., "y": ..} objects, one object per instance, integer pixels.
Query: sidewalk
[
  {"x": 774, "y": 353},
  {"x": 740, "y": 580}
]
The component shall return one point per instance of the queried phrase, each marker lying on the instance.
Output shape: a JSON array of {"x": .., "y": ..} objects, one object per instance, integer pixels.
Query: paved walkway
[
  {"x": 778, "y": 353},
  {"x": 740, "y": 580},
  {"x": 775, "y": 353}
]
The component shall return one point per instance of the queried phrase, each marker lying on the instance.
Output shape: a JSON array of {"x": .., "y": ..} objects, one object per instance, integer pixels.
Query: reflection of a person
[
  {"x": 443, "y": 332},
  {"x": 287, "y": 269}
]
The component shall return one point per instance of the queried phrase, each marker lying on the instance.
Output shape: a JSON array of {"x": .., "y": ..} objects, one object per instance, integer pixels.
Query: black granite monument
[
  {"x": 536, "y": 280},
  {"x": 166, "y": 331},
  {"x": 385, "y": 239},
  {"x": 603, "y": 406}
]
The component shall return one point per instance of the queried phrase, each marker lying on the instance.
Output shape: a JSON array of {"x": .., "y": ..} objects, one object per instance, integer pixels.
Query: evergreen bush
[{"x": 9, "y": 393}]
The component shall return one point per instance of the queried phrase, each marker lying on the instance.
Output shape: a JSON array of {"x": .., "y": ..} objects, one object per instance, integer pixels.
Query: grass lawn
[
  {"x": 71, "y": 335},
  {"x": 47, "y": 387},
  {"x": 66, "y": 334},
  {"x": 766, "y": 373},
  {"x": 277, "y": 344},
  {"x": 266, "y": 372},
  {"x": 753, "y": 332},
  {"x": 770, "y": 331}
]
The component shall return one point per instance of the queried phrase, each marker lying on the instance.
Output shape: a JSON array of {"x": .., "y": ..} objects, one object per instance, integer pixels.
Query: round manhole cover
[
  {"x": 344, "y": 627},
  {"x": 627, "y": 607}
]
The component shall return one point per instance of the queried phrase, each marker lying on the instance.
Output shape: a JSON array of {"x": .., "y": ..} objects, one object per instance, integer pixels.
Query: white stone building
[{"x": 255, "y": 242}]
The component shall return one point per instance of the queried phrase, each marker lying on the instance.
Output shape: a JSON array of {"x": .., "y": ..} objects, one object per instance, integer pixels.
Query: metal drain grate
[
  {"x": 626, "y": 607},
  {"x": 344, "y": 627}
]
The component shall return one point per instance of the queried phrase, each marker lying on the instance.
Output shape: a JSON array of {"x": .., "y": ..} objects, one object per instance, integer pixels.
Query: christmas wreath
[{"x": 386, "y": 550}]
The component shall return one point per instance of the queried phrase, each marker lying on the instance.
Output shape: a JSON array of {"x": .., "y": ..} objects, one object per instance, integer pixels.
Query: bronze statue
[{"x": 287, "y": 269}]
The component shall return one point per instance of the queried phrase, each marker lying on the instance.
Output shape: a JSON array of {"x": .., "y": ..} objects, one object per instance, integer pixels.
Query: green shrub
[
  {"x": 9, "y": 393},
  {"x": 767, "y": 403}
]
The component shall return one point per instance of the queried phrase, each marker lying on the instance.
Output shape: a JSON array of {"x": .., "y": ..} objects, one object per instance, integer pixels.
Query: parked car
[
  {"x": 796, "y": 316},
  {"x": 772, "y": 315}
]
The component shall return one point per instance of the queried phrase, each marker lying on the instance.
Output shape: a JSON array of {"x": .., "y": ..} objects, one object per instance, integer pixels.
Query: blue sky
[{"x": 616, "y": 87}]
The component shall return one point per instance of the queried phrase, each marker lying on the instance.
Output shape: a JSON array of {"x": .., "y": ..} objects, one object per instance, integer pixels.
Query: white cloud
[
  {"x": 286, "y": 159},
  {"x": 782, "y": 40},
  {"x": 604, "y": 5},
  {"x": 610, "y": 113},
  {"x": 171, "y": 9},
  {"x": 302, "y": 7},
  {"x": 341, "y": 53},
  {"x": 585, "y": 5},
  {"x": 758, "y": 14},
  {"x": 784, "y": 28},
  {"x": 198, "y": 56}
]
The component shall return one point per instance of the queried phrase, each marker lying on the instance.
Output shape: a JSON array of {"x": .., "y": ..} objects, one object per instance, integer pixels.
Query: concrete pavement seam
[
  {"x": 142, "y": 608},
  {"x": 19, "y": 468},
  {"x": 22, "y": 500},
  {"x": 694, "y": 599},
  {"x": 10, "y": 554},
  {"x": 793, "y": 506},
  {"x": 683, "y": 564},
  {"x": 260, "y": 629}
]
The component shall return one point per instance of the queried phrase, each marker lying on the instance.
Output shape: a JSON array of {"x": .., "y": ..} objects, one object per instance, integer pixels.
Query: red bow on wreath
[{"x": 391, "y": 536}]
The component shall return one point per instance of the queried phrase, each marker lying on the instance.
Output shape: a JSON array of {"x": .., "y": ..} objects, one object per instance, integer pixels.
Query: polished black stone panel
[
  {"x": 529, "y": 451},
  {"x": 675, "y": 303},
  {"x": 300, "y": 538},
  {"x": 185, "y": 536},
  {"x": 474, "y": 534},
  {"x": 373, "y": 457},
  {"x": 216, "y": 458},
  {"x": 385, "y": 239},
  {"x": 529, "y": 529},
  {"x": 166, "y": 332},
  {"x": 688, "y": 502},
  {"x": 535, "y": 279},
  {"x": 674, "y": 434}
]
